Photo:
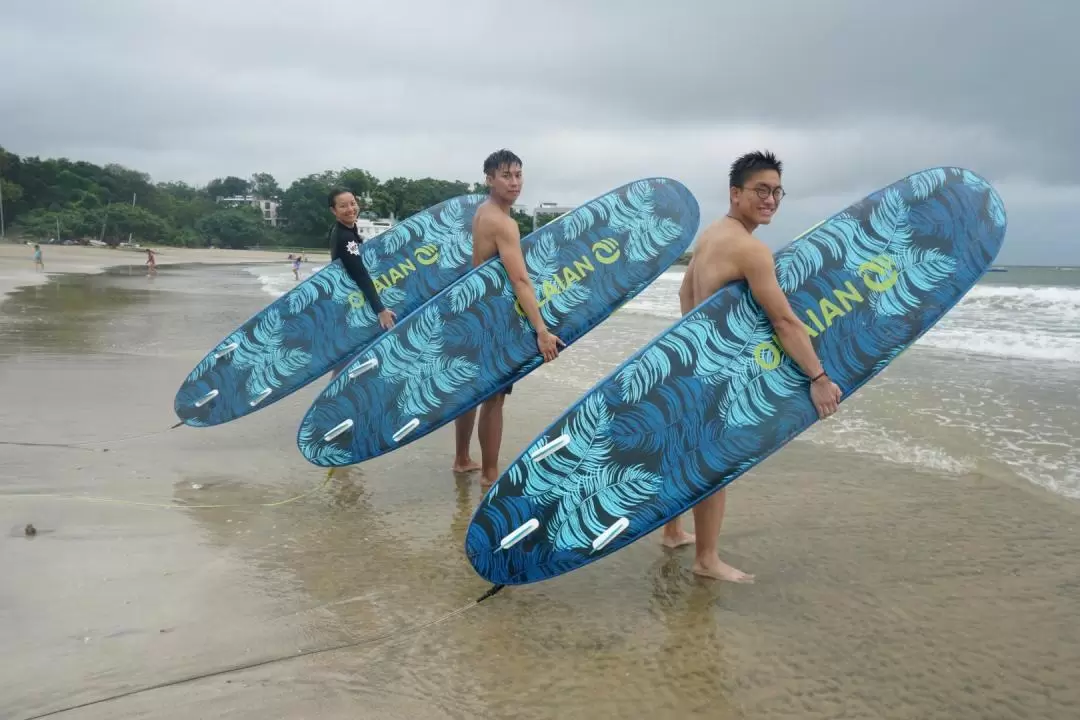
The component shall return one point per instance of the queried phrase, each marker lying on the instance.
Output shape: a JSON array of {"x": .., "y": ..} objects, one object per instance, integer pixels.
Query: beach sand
[
  {"x": 17, "y": 260},
  {"x": 882, "y": 591}
]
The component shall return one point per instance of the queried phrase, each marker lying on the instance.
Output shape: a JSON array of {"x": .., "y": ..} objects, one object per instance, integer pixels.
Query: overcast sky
[{"x": 591, "y": 93}]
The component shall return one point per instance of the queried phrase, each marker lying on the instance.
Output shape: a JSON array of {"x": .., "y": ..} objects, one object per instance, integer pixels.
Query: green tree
[
  {"x": 121, "y": 221},
  {"x": 408, "y": 197},
  {"x": 85, "y": 198},
  {"x": 304, "y": 208},
  {"x": 523, "y": 220},
  {"x": 11, "y": 195},
  {"x": 234, "y": 228},
  {"x": 263, "y": 185},
  {"x": 360, "y": 182},
  {"x": 230, "y": 186}
]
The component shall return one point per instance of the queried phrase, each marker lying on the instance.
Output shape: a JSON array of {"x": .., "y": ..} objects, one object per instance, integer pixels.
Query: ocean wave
[
  {"x": 856, "y": 434},
  {"x": 1033, "y": 323},
  {"x": 276, "y": 281}
]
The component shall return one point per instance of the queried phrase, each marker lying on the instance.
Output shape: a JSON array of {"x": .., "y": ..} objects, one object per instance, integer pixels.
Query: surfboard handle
[
  {"x": 206, "y": 398},
  {"x": 260, "y": 397},
  {"x": 406, "y": 429},
  {"x": 550, "y": 448},
  {"x": 517, "y": 535},
  {"x": 610, "y": 534},
  {"x": 369, "y": 364},
  {"x": 225, "y": 350},
  {"x": 337, "y": 430}
]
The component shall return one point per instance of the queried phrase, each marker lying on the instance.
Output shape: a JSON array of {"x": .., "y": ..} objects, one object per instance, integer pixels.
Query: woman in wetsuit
[{"x": 345, "y": 242}]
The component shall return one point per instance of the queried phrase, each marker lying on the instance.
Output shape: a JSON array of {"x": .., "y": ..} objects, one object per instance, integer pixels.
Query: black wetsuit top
[{"x": 345, "y": 244}]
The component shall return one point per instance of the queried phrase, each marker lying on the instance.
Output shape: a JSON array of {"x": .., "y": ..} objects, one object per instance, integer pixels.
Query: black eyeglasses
[{"x": 763, "y": 192}]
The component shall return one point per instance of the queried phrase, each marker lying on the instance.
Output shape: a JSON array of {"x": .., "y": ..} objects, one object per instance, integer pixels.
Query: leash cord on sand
[
  {"x": 172, "y": 506},
  {"x": 281, "y": 658},
  {"x": 82, "y": 445},
  {"x": 149, "y": 504}
]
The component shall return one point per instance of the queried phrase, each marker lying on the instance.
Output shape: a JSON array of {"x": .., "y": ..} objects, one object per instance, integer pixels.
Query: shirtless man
[
  {"x": 727, "y": 251},
  {"x": 495, "y": 231}
]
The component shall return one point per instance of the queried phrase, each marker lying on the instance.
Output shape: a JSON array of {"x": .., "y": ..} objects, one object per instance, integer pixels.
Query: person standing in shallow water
[
  {"x": 345, "y": 242},
  {"x": 495, "y": 232},
  {"x": 39, "y": 264},
  {"x": 727, "y": 251}
]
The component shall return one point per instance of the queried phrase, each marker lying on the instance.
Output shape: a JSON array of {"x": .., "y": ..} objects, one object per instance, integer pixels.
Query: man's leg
[
  {"x": 674, "y": 536},
  {"x": 708, "y": 517},
  {"x": 489, "y": 432},
  {"x": 463, "y": 429}
]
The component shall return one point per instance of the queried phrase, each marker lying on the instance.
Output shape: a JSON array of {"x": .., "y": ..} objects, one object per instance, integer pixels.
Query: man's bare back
[
  {"x": 488, "y": 223},
  {"x": 716, "y": 258}
]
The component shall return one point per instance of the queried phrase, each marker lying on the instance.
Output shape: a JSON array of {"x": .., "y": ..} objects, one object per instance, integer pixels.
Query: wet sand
[
  {"x": 881, "y": 592},
  {"x": 17, "y": 260}
]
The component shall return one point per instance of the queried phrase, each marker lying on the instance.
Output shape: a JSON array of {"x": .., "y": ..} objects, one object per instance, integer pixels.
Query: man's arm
[
  {"x": 686, "y": 290},
  {"x": 508, "y": 243},
  {"x": 756, "y": 264}
]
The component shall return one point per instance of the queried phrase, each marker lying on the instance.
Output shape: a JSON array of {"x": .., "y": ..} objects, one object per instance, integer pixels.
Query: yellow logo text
[
  {"x": 878, "y": 275},
  {"x": 605, "y": 252},
  {"x": 425, "y": 255}
]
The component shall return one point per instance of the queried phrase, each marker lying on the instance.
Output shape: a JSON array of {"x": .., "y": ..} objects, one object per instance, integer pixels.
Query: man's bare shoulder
[
  {"x": 491, "y": 218},
  {"x": 725, "y": 238}
]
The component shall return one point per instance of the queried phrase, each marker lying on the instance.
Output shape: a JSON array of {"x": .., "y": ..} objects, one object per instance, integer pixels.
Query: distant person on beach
[
  {"x": 345, "y": 242},
  {"x": 151, "y": 263},
  {"x": 296, "y": 267},
  {"x": 728, "y": 251},
  {"x": 39, "y": 264},
  {"x": 495, "y": 232}
]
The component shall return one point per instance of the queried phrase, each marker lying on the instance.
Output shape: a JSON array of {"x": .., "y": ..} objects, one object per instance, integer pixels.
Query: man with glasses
[{"x": 726, "y": 252}]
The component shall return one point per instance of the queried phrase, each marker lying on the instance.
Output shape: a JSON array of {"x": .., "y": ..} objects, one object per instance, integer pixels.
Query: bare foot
[
  {"x": 468, "y": 466},
  {"x": 487, "y": 480},
  {"x": 672, "y": 541},
  {"x": 720, "y": 570}
]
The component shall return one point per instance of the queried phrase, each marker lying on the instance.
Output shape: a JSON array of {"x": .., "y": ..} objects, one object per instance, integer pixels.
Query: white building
[
  {"x": 368, "y": 229},
  {"x": 268, "y": 208}
]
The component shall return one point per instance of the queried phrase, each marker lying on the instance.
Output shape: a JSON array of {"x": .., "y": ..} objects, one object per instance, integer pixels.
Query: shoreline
[{"x": 17, "y": 263}]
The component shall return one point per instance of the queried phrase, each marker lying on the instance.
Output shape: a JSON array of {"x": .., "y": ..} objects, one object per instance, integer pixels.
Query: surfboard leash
[
  {"x": 83, "y": 445},
  {"x": 281, "y": 658},
  {"x": 172, "y": 506}
]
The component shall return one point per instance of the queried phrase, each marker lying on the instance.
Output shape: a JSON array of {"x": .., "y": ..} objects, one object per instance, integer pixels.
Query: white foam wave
[
  {"x": 1033, "y": 323},
  {"x": 1056, "y": 299},
  {"x": 1005, "y": 343},
  {"x": 278, "y": 280},
  {"x": 858, "y": 435}
]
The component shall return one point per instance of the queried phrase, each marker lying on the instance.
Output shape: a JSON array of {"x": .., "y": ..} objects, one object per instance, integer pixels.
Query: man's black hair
[
  {"x": 334, "y": 192},
  {"x": 750, "y": 163},
  {"x": 499, "y": 158}
]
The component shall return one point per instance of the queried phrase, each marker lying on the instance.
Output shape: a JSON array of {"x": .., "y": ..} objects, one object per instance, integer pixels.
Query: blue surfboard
[
  {"x": 325, "y": 319},
  {"x": 714, "y": 395},
  {"x": 473, "y": 340}
]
